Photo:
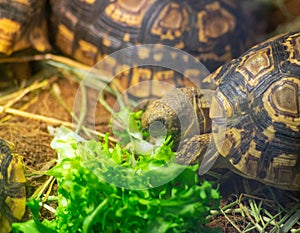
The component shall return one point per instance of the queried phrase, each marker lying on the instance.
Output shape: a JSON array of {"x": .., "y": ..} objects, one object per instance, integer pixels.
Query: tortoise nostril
[{"x": 157, "y": 128}]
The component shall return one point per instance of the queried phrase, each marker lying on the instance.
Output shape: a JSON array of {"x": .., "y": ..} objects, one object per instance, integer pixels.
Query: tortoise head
[{"x": 182, "y": 113}]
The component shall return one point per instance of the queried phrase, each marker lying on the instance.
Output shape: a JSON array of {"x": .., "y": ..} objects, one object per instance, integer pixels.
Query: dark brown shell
[
  {"x": 22, "y": 25},
  {"x": 88, "y": 30},
  {"x": 213, "y": 31},
  {"x": 257, "y": 108},
  {"x": 12, "y": 187}
]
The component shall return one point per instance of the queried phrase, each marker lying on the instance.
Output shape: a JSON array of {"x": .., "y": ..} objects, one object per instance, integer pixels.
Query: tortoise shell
[
  {"x": 12, "y": 187},
  {"x": 209, "y": 30},
  {"x": 22, "y": 26},
  {"x": 255, "y": 115},
  {"x": 89, "y": 30},
  {"x": 257, "y": 108}
]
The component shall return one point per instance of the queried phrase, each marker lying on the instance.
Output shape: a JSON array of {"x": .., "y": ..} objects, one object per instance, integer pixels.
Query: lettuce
[{"x": 104, "y": 188}]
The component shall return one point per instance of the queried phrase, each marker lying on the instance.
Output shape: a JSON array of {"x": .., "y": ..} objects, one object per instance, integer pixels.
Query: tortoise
[
  {"x": 90, "y": 30},
  {"x": 12, "y": 187},
  {"x": 255, "y": 115}
]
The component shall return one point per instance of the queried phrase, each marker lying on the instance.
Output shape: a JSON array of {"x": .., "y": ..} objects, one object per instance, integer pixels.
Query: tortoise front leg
[
  {"x": 192, "y": 149},
  {"x": 198, "y": 149}
]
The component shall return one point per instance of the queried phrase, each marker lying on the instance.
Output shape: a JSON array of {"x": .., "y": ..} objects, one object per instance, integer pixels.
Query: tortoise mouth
[{"x": 157, "y": 129}]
